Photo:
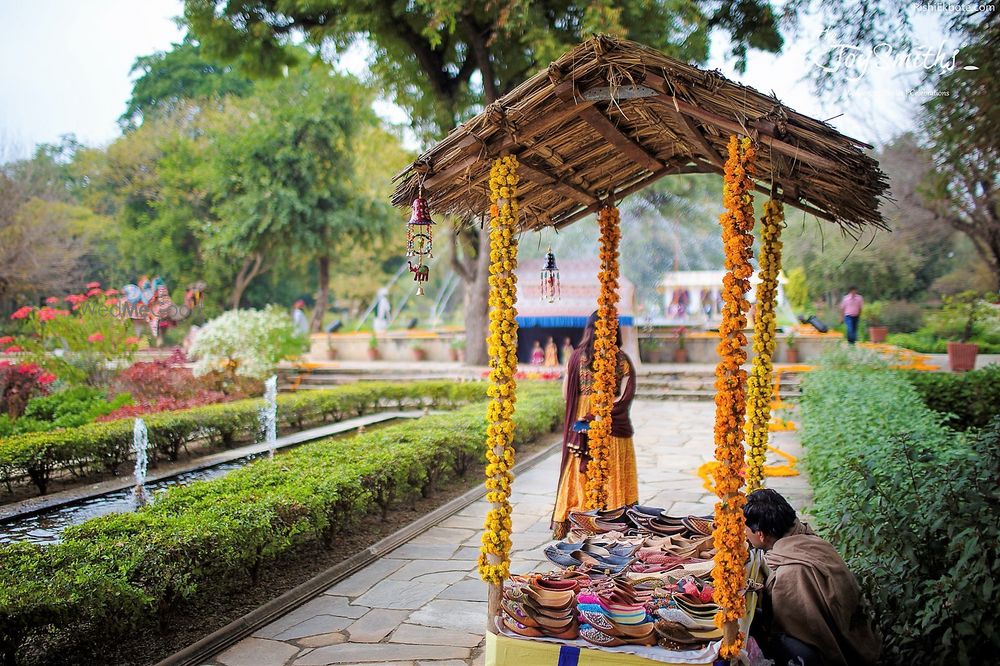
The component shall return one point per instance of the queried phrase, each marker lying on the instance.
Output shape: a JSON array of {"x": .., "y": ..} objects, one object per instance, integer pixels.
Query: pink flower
[
  {"x": 46, "y": 313},
  {"x": 52, "y": 300},
  {"x": 75, "y": 298},
  {"x": 93, "y": 285},
  {"x": 95, "y": 292},
  {"x": 22, "y": 312},
  {"x": 13, "y": 349},
  {"x": 27, "y": 368},
  {"x": 111, "y": 301},
  {"x": 131, "y": 340},
  {"x": 95, "y": 337},
  {"x": 61, "y": 313},
  {"x": 46, "y": 378},
  {"x": 6, "y": 340},
  {"x": 111, "y": 292}
]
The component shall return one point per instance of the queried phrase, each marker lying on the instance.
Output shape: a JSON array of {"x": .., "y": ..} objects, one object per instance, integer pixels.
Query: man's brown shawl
[{"x": 816, "y": 599}]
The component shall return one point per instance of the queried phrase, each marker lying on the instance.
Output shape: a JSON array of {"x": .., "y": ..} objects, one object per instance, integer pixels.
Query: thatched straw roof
[{"x": 612, "y": 116}]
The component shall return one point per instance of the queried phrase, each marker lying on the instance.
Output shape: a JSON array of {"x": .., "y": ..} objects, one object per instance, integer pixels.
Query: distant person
[
  {"x": 299, "y": 318},
  {"x": 551, "y": 353},
  {"x": 814, "y": 612},
  {"x": 537, "y": 354},
  {"x": 567, "y": 351},
  {"x": 851, "y": 308}
]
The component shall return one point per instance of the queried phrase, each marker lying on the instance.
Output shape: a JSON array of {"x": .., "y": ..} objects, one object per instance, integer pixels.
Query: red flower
[
  {"x": 46, "y": 378},
  {"x": 75, "y": 298},
  {"x": 12, "y": 349},
  {"x": 111, "y": 301},
  {"x": 27, "y": 368},
  {"x": 93, "y": 285},
  {"x": 6, "y": 340},
  {"x": 111, "y": 292},
  {"x": 95, "y": 291},
  {"x": 95, "y": 337},
  {"x": 52, "y": 300},
  {"x": 46, "y": 313},
  {"x": 22, "y": 312},
  {"x": 131, "y": 340},
  {"x": 61, "y": 313}
]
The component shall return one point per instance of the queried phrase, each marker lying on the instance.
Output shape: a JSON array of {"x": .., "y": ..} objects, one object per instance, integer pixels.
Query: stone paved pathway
[{"x": 424, "y": 603}]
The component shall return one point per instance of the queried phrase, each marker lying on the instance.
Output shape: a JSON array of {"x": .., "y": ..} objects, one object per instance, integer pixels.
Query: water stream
[
  {"x": 269, "y": 414},
  {"x": 140, "y": 444}
]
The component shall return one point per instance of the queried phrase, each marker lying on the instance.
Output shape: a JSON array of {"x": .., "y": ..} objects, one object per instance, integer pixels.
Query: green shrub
[
  {"x": 70, "y": 408},
  {"x": 115, "y": 573},
  {"x": 106, "y": 446},
  {"x": 970, "y": 399},
  {"x": 902, "y": 316},
  {"x": 913, "y": 508}
]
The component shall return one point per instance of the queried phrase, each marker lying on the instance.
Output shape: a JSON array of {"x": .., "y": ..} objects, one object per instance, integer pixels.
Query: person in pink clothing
[{"x": 851, "y": 308}]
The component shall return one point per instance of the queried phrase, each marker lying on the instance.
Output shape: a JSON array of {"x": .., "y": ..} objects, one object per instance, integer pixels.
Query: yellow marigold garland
[
  {"x": 759, "y": 383},
  {"x": 605, "y": 361},
  {"x": 494, "y": 554},
  {"x": 729, "y": 574}
]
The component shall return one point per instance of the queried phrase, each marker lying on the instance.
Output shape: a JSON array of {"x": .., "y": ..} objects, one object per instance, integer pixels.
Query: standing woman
[{"x": 578, "y": 387}]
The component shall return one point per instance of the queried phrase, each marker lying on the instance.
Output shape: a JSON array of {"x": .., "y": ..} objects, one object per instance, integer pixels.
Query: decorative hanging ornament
[
  {"x": 550, "y": 278},
  {"x": 419, "y": 240}
]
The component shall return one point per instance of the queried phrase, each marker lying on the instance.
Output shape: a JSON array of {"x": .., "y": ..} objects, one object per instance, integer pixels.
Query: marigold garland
[
  {"x": 729, "y": 574},
  {"x": 759, "y": 384},
  {"x": 494, "y": 554},
  {"x": 605, "y": 361}
]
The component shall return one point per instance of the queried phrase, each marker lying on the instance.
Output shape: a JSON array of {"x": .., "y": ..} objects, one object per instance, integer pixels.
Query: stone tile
[
  {"x": 415, "y": 551},
  {"x": 322, "y": 640},
  {"x": 318, "y": 624},
  {"x": 470, "y": 589},
  {"x": 400, "y": 594},
  {"x": 328, "y": 604},
  {"x": 467, "y": 553},
  {"x": 349, "y": 653},
  {"x": 439, "y": 535},
  {"x": 375, "y": 625},
  {"x": 419, "y": 569},
  {"x": 468, "y": 616},
  {"x": 257, "y": 652},
  {"x": 448, "y": 662},
  {"x": 460, "y": 521},
  {"x": 362, "y": 581},
  {"x": 416, "y": 634}
]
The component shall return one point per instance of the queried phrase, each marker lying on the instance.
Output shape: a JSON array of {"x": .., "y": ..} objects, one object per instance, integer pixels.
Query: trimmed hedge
[
  {"x": 116, "y": 573},
  {"x": 970, "y": 399},
  {"x": 913, "y": 506},
  {"x": 106, "y": 446}
]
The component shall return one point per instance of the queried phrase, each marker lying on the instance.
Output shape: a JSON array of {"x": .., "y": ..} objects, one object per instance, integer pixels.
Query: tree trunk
[
  {"x": 322, "y": 294},
  {"x": 250, "y": 269}
]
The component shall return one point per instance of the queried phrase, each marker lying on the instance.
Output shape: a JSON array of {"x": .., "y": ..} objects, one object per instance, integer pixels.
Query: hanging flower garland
[
  {"x": 759, "y": 384},
  {"x": 605, "y": 361},
  {"x": 494, "y": 555},
  {"x": 729, "y": 574}
]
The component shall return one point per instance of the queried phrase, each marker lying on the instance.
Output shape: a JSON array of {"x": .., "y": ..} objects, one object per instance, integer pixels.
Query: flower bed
[
  {"x": 122, "y": 572},
  {"x": 106, "y": 446},
  {"x": 913, "y": 508}
]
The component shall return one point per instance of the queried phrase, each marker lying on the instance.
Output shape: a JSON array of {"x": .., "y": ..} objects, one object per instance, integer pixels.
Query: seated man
[{"x": 815, "y": 603}]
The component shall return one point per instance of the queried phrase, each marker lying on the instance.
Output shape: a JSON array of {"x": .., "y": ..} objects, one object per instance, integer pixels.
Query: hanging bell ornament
[
  {"x": 421, "y": 273},
  {"x": 419, "y": 237},
  {"x": 550, "y": 278}
]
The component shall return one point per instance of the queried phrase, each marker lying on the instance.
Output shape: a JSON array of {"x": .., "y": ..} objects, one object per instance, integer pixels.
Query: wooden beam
[
  {"x": 541, "y": 176},
  {"x": 634, "y": 187},
  {"x": 786, "y": 197},
  {"x": 689, "y": 129},
  {"x": 607, "y": 129}
]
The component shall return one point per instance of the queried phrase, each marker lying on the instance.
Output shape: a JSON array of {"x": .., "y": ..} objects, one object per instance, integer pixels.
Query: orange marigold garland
[
  {"x": 605, "y": 361},
  {"x": 729, "y": 574},
  {"x": 759, "y": 383},
  {"x": 494, "y": 554}
]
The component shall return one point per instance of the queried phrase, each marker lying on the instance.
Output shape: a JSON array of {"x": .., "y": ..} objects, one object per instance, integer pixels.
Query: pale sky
[{"x": 64, "y": 68}]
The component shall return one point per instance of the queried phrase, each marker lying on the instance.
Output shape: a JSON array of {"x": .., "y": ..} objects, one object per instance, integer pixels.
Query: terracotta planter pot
[
  {"x": 453, "y": 354},
  {"x": 654, "y": 356},
  {"x": 420, "y": 354},
  {"x": 331, "y": 353},
  {"x": 791, "y": 355},
  {"x": 962, "y": 356},
  {"x": 877, "y": 333},
  {"x": 680, "y": 356},
  {"x": 373, "y": 354}
]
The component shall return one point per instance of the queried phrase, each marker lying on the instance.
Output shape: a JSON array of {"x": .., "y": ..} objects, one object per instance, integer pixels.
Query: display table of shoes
[{"x": 632, "y": 585}]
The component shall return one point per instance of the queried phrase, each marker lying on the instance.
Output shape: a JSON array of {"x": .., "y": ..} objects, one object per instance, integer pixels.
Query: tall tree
[{"x": 443, "y": 60}]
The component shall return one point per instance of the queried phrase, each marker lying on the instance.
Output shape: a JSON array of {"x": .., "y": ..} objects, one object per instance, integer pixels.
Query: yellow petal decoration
[
  {"x": 729, "y": 574},
  {"x": 605, "y": 361},
  {"x": 759, "y": 384},
  {"x": 494, "y": 554}
]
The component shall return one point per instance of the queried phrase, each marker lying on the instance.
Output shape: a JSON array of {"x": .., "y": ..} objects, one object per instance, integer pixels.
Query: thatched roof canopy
[{"x": 612, "y": 116}]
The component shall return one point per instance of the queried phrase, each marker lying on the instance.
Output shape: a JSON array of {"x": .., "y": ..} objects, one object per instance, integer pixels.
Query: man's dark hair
[
  {"x": 852, "y": 289},
  {"x": 768, "y": 512}
]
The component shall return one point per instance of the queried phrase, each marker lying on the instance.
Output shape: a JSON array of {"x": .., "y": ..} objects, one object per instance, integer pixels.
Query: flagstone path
[{"x": 423, "y": 604}]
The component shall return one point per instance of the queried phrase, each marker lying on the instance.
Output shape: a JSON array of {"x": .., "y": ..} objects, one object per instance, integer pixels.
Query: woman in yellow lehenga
[{"x": 578, "y": 384}]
